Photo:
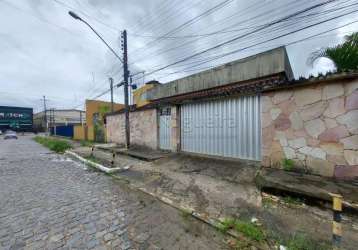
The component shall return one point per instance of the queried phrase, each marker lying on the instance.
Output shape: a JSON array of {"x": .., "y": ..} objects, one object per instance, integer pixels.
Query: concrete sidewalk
[{"x": 215, "y": 189}]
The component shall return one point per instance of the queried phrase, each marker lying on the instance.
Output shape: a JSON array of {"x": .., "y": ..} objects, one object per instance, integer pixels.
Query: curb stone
[{"x": 96, "y": 165}]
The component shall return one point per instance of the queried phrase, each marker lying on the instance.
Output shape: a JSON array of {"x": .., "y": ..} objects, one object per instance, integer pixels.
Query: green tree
[
  {"x": 344, "y": 56},
  {"x": 98, "y": 123}
]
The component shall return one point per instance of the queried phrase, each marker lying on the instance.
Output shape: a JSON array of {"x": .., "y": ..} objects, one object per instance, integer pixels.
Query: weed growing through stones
[
  {"x": 301, "y": 241},
  {"x": 288, "y": 164},
  {"x": 185, "y": 214},
  {"x": 292, "y": 200},
  {"x": 248, "y": 229}
]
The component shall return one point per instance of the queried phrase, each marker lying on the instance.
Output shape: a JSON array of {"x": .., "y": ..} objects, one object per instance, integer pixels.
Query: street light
[
  {"x": 77, "y": 17},
  {"x": 74, "y": 15},
  {"x": 124, "y": 61}
]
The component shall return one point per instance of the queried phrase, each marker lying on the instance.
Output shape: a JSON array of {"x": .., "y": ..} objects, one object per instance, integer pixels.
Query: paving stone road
[{"x": 48, "y": 201}]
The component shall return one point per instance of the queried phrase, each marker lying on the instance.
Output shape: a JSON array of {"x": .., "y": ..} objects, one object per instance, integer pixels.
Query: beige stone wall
[
  {"x": 143, "y": 128},
  {"x": 316, "y": 126}
]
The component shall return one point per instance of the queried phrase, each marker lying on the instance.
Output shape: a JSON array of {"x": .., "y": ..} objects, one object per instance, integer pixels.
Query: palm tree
[{"x": 344, "y": 56}]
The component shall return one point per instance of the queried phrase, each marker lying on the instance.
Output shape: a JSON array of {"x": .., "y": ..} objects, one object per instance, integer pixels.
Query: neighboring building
[
  {"x": 16, "y": 118},
  {"x": 140, "y": 95},
  {"x": 57, "y": 118},
  {"x": 94, "y": 129},
  {"x": 252, "y": 109}
]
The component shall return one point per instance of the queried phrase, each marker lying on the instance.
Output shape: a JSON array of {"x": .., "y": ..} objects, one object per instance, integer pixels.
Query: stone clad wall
[
  {"x": 315, "y": 125},
  {"x": 143, "y": 128}
]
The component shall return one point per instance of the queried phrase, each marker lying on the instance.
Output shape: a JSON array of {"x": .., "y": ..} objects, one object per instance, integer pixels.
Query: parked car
[
  {"x": 10, "y": 135},
  {"x": 0, "y": 132}
]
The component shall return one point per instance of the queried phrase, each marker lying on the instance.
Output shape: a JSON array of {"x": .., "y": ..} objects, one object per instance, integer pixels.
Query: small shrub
[
  {"x": 288, "y": 164},
  {"x": 59, "y": 146}
]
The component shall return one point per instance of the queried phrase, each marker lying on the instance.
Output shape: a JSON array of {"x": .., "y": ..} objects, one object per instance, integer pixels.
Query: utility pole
[
  {"x": 111, "y": 86},
  {"x": 130, "y": 90},
  {"x": 125, "y": 76},
  {"x": 45, "y": 117},
  {"x": 124, "y": 60}
]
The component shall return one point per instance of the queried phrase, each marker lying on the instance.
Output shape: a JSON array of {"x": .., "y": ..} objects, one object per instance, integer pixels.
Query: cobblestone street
[{"x": 48, "y": 201}]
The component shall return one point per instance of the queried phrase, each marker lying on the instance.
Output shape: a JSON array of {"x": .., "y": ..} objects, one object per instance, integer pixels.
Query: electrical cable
[
  {"x": 241, "y": 36},
  {"x": 189, "y": 22},
  {"x": 315, "y": 15},
  {"x": 287, "y": 44}
]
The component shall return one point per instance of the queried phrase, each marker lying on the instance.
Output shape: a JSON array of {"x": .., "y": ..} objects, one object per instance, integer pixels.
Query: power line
[
  {"x": 39, "y": 18},
  {"x": 233, "y": 52},
  {"x": 221, "y": 30},
  {"x": 189, "y": 22},
  {"x": 100, "y": 95},
  {"x": 241, "y": 36},
  {"x": 87, "y": 15},
  {"x": 277, "y": 37},
  {"x": 234, "y": 30},
  {"x": 172, "y": 5},
  {"x": 314, "y": 15},
  {"x": 244, "y": 11},
  {"x": 263, "y": 36}
]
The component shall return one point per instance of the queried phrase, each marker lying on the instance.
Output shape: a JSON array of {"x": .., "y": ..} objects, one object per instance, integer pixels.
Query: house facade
[{"x": 253, "y": 109}]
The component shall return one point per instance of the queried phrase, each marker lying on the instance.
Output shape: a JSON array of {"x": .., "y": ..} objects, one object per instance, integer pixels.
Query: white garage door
[
  {"x": 164, "y": 129},
  {"x": 227, "y": 127}
]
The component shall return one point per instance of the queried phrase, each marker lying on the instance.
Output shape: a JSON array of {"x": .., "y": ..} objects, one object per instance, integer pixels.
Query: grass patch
[
  {"x": 226, "y": 224},
  {"x": 248, "y": 229},
  {"x": 302, "y": 242},
  {"x": 57, "y": 145},
  {"x": 85, "y": 143},
  {"x": 288, "y": 164}
]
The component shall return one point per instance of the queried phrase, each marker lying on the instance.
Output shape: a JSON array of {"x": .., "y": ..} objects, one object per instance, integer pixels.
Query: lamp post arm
[{"x": 99, "y": 36}]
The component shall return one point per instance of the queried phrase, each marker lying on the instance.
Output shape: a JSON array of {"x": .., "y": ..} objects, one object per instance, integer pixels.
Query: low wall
[
  {"x": 143, "y": 128},
  {"x": 315, "y": 125}
]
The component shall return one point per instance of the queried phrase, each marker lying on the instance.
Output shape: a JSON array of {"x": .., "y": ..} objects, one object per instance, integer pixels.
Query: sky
[{"x": 45, "y": 52}]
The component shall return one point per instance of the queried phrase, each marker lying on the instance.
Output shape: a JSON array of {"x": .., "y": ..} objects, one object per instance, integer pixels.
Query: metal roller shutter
[{"x": 226, "y": 127}]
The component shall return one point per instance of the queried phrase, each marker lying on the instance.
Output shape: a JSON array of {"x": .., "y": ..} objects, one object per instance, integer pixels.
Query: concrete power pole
[
  {"x": 45, "y": 116},
  {"x": 111, "y": 86},
  {"x": 125, "y": 76}
]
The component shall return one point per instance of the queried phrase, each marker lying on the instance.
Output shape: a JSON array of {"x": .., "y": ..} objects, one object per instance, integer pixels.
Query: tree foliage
[{"x": 344, "y": 56}]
